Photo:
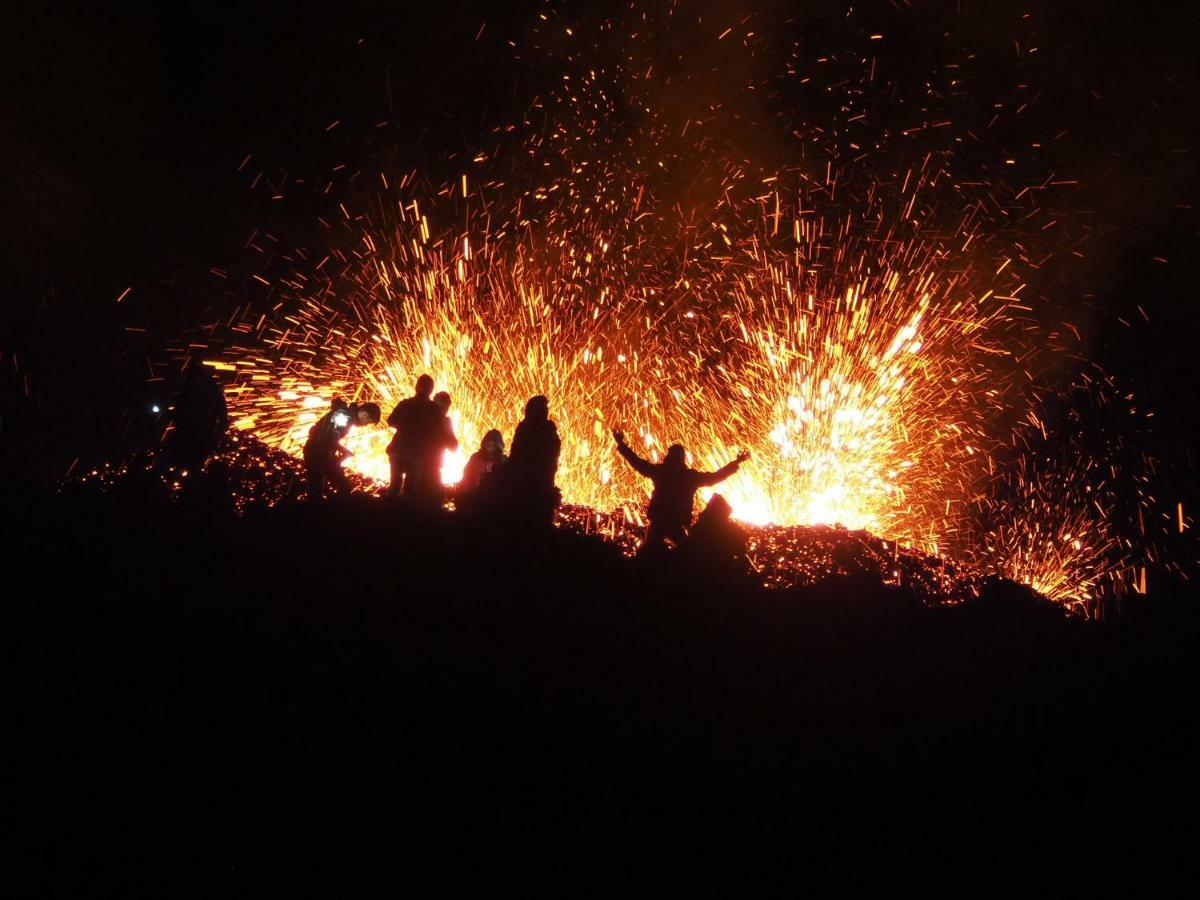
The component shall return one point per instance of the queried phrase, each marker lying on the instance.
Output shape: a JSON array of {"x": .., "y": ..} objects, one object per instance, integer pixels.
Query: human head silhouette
[
  {"x": 537, "y": 409},
  {"x": 493, "y": 442},
  {"x": 424, "y": 386},
  {"x": 717, "y": 510},
  {"x": 442, "y": 399},
  {"x": 675, "y": 456}
]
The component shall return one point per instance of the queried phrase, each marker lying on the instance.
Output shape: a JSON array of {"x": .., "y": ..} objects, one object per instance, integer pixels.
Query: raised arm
[
  {"x": 708, "y": 479},
  {"x": 641, "y": 466}
]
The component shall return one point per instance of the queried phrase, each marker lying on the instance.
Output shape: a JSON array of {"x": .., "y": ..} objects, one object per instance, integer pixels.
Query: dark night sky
[{"x": 124, "y": 128}]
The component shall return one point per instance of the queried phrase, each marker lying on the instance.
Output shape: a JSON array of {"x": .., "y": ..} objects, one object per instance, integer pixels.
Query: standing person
[
  {"x": 323, "y": 451},
  {"x": 675, "y": 486},
  {"x": 414, "y": 420},
  {"x": 200, "y": 418},
  {"x": 534, "y": 463},
  {"x": 424, "y": 480}
]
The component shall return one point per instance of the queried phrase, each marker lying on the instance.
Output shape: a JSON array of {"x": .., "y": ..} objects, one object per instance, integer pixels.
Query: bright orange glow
[{"x": 862, "y": 333}]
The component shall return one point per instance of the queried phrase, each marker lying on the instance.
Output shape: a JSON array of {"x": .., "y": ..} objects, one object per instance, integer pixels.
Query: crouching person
[
  {"x": 324, "y": 453},
  {"x": 715, "y": 548}
]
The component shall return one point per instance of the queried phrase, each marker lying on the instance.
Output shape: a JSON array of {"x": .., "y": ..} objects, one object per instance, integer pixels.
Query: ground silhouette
[{"x": 338, "y": 662}]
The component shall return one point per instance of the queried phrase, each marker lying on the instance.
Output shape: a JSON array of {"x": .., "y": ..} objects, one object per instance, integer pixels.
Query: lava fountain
[{"x": 858, "y": 326}]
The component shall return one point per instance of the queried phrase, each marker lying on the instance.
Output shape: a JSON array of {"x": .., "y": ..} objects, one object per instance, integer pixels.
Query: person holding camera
[{"x": 323, "y": 451}]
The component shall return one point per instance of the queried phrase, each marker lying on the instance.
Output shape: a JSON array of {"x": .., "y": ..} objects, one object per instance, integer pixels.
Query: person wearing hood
[
  {"x": 477, "y": 491},
  {"x": 716, "y": 544},
  {"x": 484, "y": 463},
  {"x": 675, "y": 486}
]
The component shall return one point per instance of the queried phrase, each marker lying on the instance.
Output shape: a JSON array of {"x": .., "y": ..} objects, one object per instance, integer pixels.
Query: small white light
[
  {"x": 154, "y": 408},
  {"x": 340, "y": 419}
]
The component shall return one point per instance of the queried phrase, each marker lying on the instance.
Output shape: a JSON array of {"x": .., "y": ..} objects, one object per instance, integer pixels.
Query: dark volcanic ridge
[{"x": 248, "y": 474}]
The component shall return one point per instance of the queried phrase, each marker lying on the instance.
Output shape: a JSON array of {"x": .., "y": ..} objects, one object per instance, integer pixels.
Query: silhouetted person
[
  {"x": 481, "y": 478},
  {"x": 716, "y": 544},
  {"x": 483, "y": 462},
  {"x": 423, "y": 483},
  {"x": 323, "y": 451},
  {"x": 415, "y": 421},
  {"x": 675, "y": 486},
  {"x": 200, "y": 420},
  {"x": 529, "y": 474}
]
